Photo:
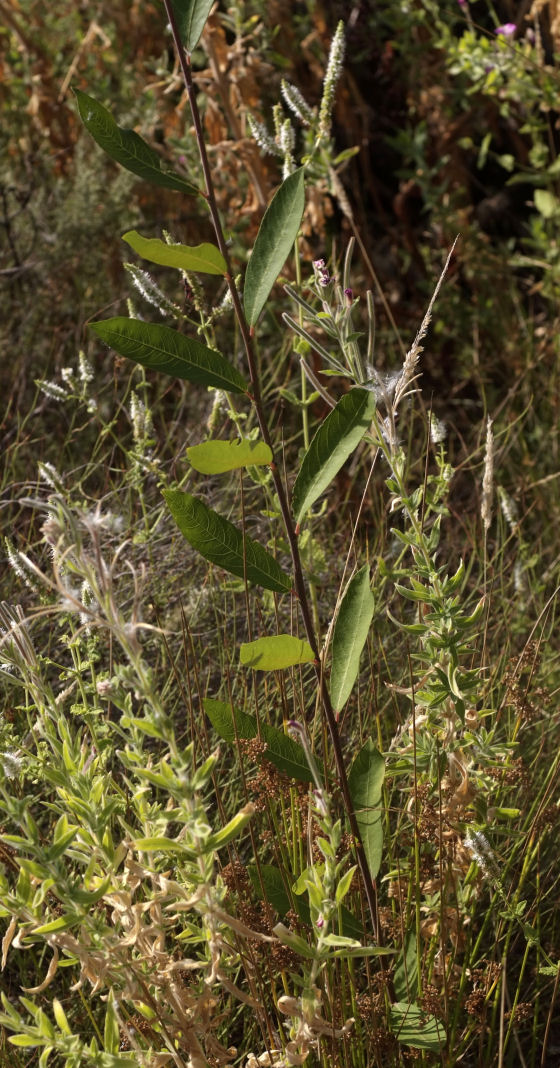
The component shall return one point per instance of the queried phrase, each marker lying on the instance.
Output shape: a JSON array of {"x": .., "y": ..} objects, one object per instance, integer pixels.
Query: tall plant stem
[{"x": 299, "y": 582}]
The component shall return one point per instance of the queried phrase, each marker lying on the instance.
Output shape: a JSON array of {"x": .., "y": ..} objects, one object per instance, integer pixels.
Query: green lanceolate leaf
[
  {"x": 206, "y": 259},
  {"x": 337, "y": 437},
  {"x": 413, "y": 1027},
  {"x": 281, "y": 750},
  {"x": 127, "y": 147},
  {"x": 163, "y": 349},
  {"x": 276, "y": 235},
  {"x": 273, "y": 654},
  {"x": 405, "y": 979},
  {"x": 215, "y": 457},
  {"x": 365, "y": 783},
  {"x": 191, "y": 16},
  {"x": 217, "y": 540},
  {"x": 350, "y": 632}
]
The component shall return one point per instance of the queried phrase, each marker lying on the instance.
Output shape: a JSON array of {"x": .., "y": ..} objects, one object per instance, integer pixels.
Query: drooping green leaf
[
  {"x": 337, "y": 437},
  {"x": 163, "y": 349},
  {"x": 217, "y": 540},
  {"x": 127, "y": 147},
  {"x": 205, "y": 258},
  {"x": 365, "y": 783},
  {"x": 282, "y": 751},
  {"x": 350, "y": 632},
  {"x": 413, "y": 1027},
  {"x": 191, "y": 16},
  {"x": 277, "y": 233},
  {"x": 277, "y": 652},
  {"x": 215, "y": 457}
]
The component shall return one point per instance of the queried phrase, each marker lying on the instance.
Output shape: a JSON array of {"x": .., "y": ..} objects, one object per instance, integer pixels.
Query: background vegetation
[{"x": 451, "y": 110}]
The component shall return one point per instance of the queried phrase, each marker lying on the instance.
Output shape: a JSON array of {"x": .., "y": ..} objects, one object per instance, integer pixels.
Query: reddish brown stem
[{"x": 299, "y": 582}]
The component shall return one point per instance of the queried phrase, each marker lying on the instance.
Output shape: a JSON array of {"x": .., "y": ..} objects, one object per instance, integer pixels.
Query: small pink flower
[{"x": 507, "y": 30}]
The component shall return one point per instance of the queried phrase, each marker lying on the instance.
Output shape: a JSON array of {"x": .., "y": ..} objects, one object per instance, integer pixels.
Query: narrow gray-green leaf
[
  {"x": 277, "y": 233},
  {"x": 191, "y": 16},
  {"x": 350, "y": 632},
  {"x": 164, "y": 349},
  {"x": 127, "y": 147},
  {"x": 365, "y": 783},
  {"x": 205, "y": 258},
  {"x": 337, "y": 437},
  {"x": 282, "y": 751},
  {"x": 217, "y": 540}
]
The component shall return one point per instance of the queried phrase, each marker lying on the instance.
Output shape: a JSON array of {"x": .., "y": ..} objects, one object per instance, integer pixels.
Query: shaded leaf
[
  {"x": 205, "y": 258},
  {"x": 163, "y": 349},
  {"x": 215, "y": 457},
  {"x": 277, "y": 233},
  {"x": 277, "y": 652},
  {"x": 413, "y": 1027},
  {"x": 127, "y": 147},
  {"x": 217, "y": 540},
  {"x": 350, "y": 633},
  {"x": 337, "y": 437},
  {"x": 282, "y": 751},
  {"x": 406, "y": 968},
  {"x": 191, "y": 16},
  {"x": 277, "y": 896},
  {"x": 365, "y": 783}
]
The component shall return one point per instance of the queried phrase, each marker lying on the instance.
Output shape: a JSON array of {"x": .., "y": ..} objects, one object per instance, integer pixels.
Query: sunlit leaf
[
  {"x": 217, "y": 540},
  {"x": 350, "y": 633},
  {"x": 127, "y": 147},
  {"x": 277, "y": 652},
  {"x": 163, "y": 349},
  {"x": 215, "y": 457},
  {"x": 205, "y": 258},
  {"x": 277, "y": 233},
  {"x": 336, "y": 439}
]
